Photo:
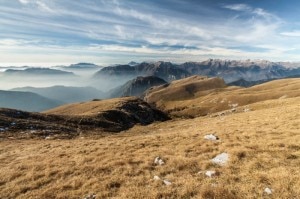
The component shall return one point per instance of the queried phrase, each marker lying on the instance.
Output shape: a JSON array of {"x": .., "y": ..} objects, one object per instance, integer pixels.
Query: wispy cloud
[
  {"x": 291, "y": 34},
  {"x": 40, "y": 4},
  {"x": 24, "y": 1},
  {"x": 132, "y": 29},
  {"x": 238, "y": 7}
]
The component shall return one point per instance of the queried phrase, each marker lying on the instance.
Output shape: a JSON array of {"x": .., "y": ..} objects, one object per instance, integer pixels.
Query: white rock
[
  {"x": 91, "y": 196},
  {"x": 268, "y": 191},
  {"x": 234, "y": 105},
  {"x": 210, "y": 173},
  {"x": 156, "y": 178},
  {"x": 211, "y": 137},
  {"x": 158, "y": 161},
  {"x": 221, "y": 159},
  {"x": 161, "y": 162},
  {"x": 167, "y": 182},
  {"x": 48, "y": 138}
]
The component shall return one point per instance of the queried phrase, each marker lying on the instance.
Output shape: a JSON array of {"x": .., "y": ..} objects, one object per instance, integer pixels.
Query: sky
[{"x": 54, "y": 32}]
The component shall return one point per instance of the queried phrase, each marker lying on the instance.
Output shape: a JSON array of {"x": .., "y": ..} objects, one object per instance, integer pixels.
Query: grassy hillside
[
  {"x": 199, "y": 96},
  {"x": 257, "y": 127},
  {"x": 263, "y": 148}
]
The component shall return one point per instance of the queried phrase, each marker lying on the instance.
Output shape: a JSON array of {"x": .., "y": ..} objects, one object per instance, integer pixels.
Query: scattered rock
[
  {"x": 90, "y": 196},
  {"x": 221, "y": 159},
  {"x": 233, "y": 105},
  {"x": 247, "y": 110},
  {"x": 211, "y": 137},
  {"x": 210, "y": 173},
  {"x": 268, "y": 191},
  {"x": 283, "y": 97},
  {"x": 48, "y": 138},
  {"x": 156, "y": 178},
  {"x": 167, "y": 182},
  {"x": 233, "y": 110},
  {"x": 200, "y": 172},
  {"x": 159, "y": 161}
]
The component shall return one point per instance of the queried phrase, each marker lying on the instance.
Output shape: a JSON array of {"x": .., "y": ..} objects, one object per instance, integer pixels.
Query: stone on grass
[
  {"x": 211, "y": 137},
  {"x": 158, "y": 161},
  {"x": 156, "y": 178},
  {"x": 210, "y": 173},
  {"x": 167, "y": 182},
  {"x": 90, "y": 196},
  {"x": 221, "y": 159},
  {"x": 268, "y": 191}
]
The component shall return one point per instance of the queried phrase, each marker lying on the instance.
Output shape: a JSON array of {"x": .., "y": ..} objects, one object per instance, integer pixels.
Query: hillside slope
[
  {"x": 70, "y": 120},
  {"x": 211, "y": 95},
  {"x": 263, "y": 148}
]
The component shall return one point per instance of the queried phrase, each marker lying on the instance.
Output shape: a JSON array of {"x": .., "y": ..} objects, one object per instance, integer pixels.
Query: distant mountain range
[
  {"x": 164, "y": 70},
  {"x": 38, "y": 71},
  {"x": 26, "y": 101},
  {"x": 229, "y": 70},
  {"x": 248, "y": 70},
  {"x": 82, "y": 66}
]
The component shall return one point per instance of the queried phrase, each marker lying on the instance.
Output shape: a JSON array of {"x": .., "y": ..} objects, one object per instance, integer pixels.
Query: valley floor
[{"x": 263, "y": 146}]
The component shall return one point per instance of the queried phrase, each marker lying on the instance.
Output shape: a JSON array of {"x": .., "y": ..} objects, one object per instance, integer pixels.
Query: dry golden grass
[
  {"x": 263, "y": 146},
  {"x": 89, "y": 108},
  {"x": 209, "y": 95}
]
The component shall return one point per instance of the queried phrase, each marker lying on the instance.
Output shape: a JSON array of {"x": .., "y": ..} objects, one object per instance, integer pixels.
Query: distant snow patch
[{"x": 221, "y": 159}]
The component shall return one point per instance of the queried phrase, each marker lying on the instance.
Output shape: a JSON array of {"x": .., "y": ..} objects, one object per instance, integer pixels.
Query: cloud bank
[{"x": 105, "y": 32}]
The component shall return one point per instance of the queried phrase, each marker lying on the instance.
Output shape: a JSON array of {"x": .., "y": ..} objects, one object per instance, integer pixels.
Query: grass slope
[
  {"x": 263, "y": 147},
  {"x": 199, "y": 96}
]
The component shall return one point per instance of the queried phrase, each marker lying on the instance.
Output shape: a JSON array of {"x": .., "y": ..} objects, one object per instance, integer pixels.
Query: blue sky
[{"x": 50, "y": 32}]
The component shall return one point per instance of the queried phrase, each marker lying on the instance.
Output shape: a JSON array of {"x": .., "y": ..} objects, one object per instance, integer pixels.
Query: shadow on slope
[{"x": 70, "y": 120}]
